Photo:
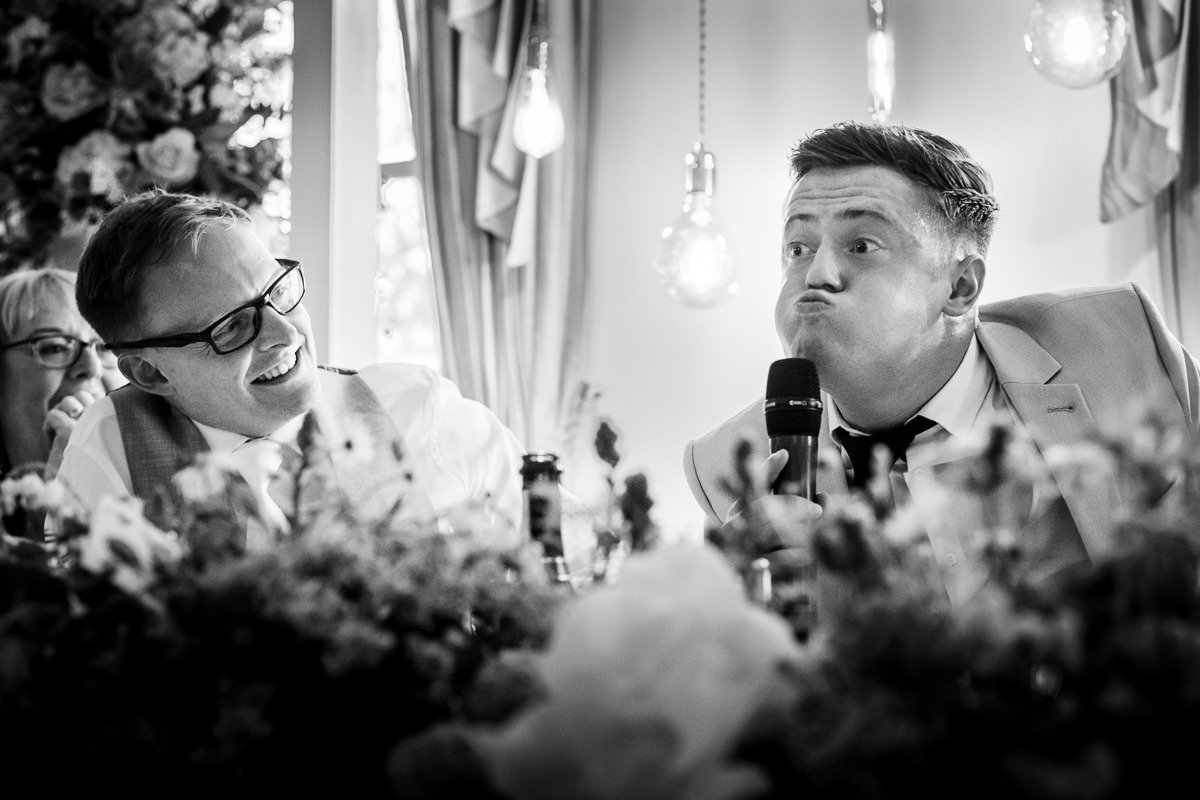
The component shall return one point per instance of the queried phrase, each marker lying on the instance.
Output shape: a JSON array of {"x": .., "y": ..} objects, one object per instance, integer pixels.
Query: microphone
[{"x": 793, "y": 411}]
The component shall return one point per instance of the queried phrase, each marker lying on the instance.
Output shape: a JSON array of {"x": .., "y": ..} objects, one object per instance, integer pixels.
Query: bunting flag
[{"x": 1145, "y": 144}]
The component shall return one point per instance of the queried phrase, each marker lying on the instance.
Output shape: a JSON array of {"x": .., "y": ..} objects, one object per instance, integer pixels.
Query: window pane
[
  {"x": 405, "y": 304},
  {"x": 405, "y": 307},
  {"x": 395, "y": 118}
]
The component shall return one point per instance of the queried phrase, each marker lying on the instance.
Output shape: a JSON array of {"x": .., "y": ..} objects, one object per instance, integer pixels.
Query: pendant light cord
[{"x": 703, "y": 33}]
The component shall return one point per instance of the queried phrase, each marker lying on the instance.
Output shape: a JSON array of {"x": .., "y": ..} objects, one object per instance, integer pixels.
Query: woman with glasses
[{"x": 52, "y": 366}]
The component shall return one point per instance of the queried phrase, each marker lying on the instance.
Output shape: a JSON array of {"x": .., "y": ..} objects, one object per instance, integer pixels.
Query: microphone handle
[{"x": 799, "y": 476}]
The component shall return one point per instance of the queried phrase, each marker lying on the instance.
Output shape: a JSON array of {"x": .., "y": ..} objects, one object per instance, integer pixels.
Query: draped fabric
[
  {"x": 1178, "y": 209},
  {"x": 507, "y": 232},
  {"x": 1153, "y": 148},
  {"x": 1146, "y": 139}
]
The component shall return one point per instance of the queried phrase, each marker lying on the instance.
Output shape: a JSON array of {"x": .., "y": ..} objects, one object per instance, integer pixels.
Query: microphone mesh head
[{"x": 793, "y": 405}]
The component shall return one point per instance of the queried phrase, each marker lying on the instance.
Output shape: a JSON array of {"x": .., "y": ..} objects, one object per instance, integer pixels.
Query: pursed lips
[{"x": 812, "y": 300}]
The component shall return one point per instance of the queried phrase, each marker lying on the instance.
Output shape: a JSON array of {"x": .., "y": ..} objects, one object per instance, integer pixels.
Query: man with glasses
[{"x": 218, "y": 348}]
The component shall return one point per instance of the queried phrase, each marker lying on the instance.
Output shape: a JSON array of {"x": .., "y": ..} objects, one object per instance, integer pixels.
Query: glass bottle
[{"x": 543, "y": 511}]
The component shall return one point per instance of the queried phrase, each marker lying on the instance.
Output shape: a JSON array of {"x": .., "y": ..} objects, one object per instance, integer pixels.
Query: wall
[{"x": 777, "y": 70}]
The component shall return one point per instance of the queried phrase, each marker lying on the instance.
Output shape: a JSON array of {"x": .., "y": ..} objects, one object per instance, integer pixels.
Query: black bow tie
[{"x": 861, "y": 448}]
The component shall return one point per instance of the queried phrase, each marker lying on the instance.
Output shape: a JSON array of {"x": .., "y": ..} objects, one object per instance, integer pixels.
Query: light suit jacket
[{"x": 1067, "y": 362}]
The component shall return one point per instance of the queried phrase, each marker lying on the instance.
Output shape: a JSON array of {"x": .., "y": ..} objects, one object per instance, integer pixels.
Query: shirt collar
[
  {"x": 956, "y": 405},
  {"x": 220, "y": 441}
]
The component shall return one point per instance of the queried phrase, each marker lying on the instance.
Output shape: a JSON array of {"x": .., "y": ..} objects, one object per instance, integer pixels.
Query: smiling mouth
[{"x": 281, "y": 370}]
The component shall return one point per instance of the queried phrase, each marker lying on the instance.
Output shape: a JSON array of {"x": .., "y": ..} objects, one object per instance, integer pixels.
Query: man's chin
[
  {"x": 812, "y": 349},
  {"x": 291, "y": 395}
]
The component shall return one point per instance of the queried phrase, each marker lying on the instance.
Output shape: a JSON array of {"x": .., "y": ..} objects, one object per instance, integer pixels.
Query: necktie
[
  {"x": 266, "y": 465},
  {"x": 861, "y": 448}
]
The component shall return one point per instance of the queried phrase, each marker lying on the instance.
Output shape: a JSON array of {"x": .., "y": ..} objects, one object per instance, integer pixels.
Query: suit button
[{"x": 950, "y": 560}]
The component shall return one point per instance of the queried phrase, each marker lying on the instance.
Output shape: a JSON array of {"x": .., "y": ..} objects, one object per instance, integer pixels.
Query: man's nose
[
  {"x": 277, "y": 328},
  {"x": 824, "y": 272}
]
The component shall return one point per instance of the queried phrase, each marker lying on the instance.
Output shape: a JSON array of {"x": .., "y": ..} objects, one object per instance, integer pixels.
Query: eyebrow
[
  {"x": 280, "y": 269},
  {"x": 847, "y": 214}
]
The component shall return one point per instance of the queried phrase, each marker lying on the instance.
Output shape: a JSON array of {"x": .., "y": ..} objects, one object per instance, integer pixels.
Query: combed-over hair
[{"x": 959, "y": 186}]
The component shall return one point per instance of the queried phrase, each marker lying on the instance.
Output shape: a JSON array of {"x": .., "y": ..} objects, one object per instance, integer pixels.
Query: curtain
[
  {"x": 1178, "y": 208},
  {"x": 1153, "y": 148},
  {"x": 507, "y": 233}
]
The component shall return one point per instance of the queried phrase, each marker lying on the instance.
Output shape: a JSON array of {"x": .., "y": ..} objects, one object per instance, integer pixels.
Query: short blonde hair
[{"x": 26, "y": 292}]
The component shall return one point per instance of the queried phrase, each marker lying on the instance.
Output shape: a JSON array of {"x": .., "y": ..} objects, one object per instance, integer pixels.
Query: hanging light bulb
[
  {"x": 1076, "y": 43},
  {"x": 694, "y": 262},
  {"x": 538, "y": 124},
  {"x": 881, "y": 61}
]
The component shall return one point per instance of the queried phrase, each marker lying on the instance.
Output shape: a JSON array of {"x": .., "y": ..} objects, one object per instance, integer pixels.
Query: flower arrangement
[
  {"x": 378, "y": 659},
  {"x": 150, "y": 647},
  {"x": 103, "y": 98}
]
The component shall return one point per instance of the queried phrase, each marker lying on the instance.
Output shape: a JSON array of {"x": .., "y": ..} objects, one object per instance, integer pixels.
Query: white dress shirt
[
  {"x": 969, "y": 402},
  {"x": 460, "y": 453}
]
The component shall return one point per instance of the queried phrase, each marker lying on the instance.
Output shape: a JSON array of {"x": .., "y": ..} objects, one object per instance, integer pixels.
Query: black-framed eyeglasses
[
  {"x": 241, "y": 326},
  {"x": 60, "y": 351}
]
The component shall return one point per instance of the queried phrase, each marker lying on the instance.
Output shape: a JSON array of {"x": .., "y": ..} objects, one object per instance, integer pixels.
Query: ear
[
  {"x": 143, "y": 374},
  {"x": 966, "y": 285}
]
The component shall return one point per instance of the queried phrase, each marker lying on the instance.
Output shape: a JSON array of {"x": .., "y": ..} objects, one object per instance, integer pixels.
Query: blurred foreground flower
[
  {"x": 651, "y": 684},
  {"x": 122, "y": 542}
]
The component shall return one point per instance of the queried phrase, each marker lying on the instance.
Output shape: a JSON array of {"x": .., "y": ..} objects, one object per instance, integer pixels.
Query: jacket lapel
[{"x": 1055, "y": 414}]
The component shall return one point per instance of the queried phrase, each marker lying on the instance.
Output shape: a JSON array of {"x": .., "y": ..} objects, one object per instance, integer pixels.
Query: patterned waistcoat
[{"x": 159, "y": 440}]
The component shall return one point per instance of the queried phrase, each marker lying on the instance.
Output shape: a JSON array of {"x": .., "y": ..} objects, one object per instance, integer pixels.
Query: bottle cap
[{"x": 539, "y": 464}]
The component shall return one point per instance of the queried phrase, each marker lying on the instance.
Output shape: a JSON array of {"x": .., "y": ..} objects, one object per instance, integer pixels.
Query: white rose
[
  {"x": 202, "y": 9},
  {"x": 34, "y": 30},
  {"x": 171, "y": 158},
  {"x": 103, "y": 158},
  {"x": 70, "y": 92},
  {"x": 227, "y": 100},
  {"x": 183, "y": 58},
  {"x": 166, "y": 19}
]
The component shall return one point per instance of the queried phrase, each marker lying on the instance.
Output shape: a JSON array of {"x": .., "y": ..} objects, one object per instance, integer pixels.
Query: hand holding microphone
[
  {"x": 793, "y": 416},
  {"x": 786, "y": 579}
]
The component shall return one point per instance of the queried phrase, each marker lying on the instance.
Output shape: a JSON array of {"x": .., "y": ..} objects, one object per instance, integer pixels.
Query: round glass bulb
[
  {"x": 694, "y": 262},
  {"x": 1076, "y": 43},
  {"x": 538, "y": 125}
]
